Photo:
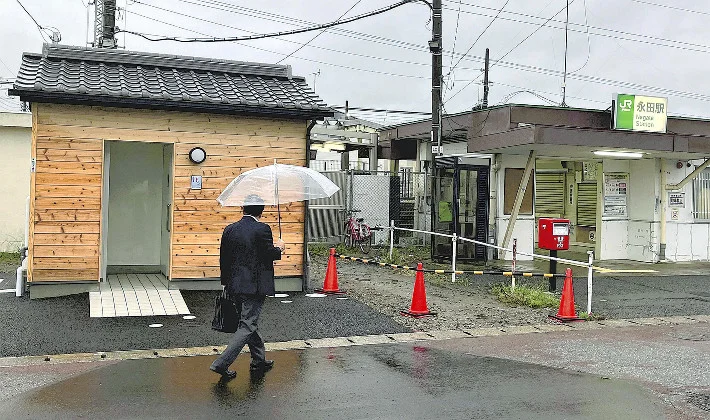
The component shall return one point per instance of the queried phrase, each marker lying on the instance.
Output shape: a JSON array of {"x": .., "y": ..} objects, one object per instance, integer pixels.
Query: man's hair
[
  {"x": 255, "y": 205},
  {"x": 254, "y": 210}
]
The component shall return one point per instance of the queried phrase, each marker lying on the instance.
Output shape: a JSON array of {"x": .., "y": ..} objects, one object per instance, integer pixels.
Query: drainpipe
[
  {"x": 493, "y": 205},
  {"x": 19, "y": 281},
  {"x": 306, "y": 254},
  {"x": 662, "y": 246}
]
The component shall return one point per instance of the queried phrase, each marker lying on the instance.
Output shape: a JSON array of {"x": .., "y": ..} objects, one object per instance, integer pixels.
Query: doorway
[
  {"x": 136, "y": 208},
  {"x": 460, "y": 205}
]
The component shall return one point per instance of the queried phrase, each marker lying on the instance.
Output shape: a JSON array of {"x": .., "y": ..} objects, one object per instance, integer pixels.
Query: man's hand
[{"x": 280, "y": 244}]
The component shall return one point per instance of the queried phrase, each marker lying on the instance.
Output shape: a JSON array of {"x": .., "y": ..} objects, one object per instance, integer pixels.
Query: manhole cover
[{"x": 700, "y": 400}]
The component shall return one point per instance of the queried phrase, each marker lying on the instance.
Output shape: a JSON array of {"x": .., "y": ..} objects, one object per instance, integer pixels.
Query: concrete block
[
  {"x": 519, "y": 329},
  {"x": 586, "y": 325},
  {"x": 447, "y": 334},
  {"x": 679, "y": 319},
  {"x": 409, "y": 337},
  {"x": 553, "y": 327},
  {"x": 484, "y": 332},
  {"x": 287, "y": 345},
  {"x": 329, "y": 342},
  {"x": 617, "y": 323},
  {"x": 370, "y": 339}
]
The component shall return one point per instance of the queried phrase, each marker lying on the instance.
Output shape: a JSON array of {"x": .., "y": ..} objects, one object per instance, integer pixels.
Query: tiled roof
[{"x": 109, "y": 77}]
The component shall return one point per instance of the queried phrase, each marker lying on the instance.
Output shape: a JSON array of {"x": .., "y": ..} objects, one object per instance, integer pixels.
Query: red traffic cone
[
  {"x": 418, "y": 307},
  {"x": 330, "y": 284},
  {"x": 566, "y": 312}
]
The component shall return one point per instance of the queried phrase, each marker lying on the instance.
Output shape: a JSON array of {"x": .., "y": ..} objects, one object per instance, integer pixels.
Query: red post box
[{"x": 553, "y": 234}]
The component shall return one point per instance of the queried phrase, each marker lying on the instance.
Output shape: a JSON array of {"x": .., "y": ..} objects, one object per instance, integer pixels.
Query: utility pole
[
  {"x": 485, "y": 81},
  {"x": 435, "y": 46},
  {"x": 105, "y": 24},
  {"x": 564, "y": 79}
]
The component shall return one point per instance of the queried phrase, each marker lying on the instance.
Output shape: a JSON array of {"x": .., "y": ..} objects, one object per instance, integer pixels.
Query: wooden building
[{"x": 112, "y": 186}]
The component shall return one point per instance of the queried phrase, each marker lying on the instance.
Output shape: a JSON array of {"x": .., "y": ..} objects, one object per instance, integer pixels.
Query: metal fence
[
  {"x": 701, "y": 195},
  {"x": 378, "y": 197}
]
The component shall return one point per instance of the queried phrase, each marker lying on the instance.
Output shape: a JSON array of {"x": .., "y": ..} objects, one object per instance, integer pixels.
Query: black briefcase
[{"x": 226, "y": 314}]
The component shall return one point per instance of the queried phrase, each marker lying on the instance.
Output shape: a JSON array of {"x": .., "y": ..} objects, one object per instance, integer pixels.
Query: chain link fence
[{"x": 378, "y": 197}]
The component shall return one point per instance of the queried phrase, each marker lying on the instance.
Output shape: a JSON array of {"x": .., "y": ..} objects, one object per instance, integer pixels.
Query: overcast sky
[{"x": 384, "y": 62}]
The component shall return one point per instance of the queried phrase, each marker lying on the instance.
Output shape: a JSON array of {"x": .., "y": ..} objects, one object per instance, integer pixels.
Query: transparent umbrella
[{"x": 277, "y": 184}]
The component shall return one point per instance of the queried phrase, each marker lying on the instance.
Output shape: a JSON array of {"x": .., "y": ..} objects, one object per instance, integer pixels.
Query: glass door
[{"x": 443, "y": 212}]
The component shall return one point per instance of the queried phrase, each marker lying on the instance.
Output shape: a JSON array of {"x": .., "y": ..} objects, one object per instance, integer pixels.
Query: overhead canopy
[{"x": 578, "y": 133}]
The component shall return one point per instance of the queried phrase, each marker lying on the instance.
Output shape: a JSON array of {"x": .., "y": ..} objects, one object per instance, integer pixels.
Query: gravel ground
[
  {"x": 468, "y": 303},
  {"x": 465, "y": 304}
]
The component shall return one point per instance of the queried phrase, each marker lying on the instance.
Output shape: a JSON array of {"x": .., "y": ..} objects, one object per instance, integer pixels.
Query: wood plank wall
[{"x": 65, "y": 240}]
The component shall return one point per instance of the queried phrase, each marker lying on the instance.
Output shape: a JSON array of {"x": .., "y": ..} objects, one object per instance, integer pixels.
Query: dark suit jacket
[{"x": 246, "y": 258}]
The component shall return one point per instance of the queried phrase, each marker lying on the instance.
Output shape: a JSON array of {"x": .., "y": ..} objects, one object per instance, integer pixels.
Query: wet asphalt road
[
  {"x": 62, "y": 325},
  {"x": 403, "y": 381}
]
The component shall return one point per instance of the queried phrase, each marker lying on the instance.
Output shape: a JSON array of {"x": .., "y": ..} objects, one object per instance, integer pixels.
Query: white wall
[
  {"x": 686, "y": 239},
  {"x": 135, "y": 203},
  {"x": 15, "y": 145},
  {"x": 524, "y": 230}
]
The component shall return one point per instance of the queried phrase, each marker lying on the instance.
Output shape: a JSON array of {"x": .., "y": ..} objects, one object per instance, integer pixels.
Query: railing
[{"x": 455, "y": 239}]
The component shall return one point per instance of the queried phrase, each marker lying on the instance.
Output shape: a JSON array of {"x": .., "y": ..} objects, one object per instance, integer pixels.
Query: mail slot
[{"x": 553, "y": 234}]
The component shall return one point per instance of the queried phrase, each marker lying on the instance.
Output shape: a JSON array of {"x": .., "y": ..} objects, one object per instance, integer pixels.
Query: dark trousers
[{"x": 247, "y": 333}]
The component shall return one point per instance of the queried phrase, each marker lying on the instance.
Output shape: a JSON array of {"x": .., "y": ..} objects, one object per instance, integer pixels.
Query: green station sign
[{"x": 640, "y": 113}]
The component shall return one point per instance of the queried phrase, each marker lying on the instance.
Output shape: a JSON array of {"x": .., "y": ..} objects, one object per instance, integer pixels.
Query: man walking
[{"x": 246, "y": 257}]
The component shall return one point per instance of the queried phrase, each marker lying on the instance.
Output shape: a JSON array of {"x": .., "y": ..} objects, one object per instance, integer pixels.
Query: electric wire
[
  {"x": 510, "y": 50},
  {"x": 274, "y": 34},
  {"x": 479, "y": 36},
  {"x": 664, "y": 42},
  {"x": 671, "y": 7},
  {"x": 589, "y": 43},
  {"x": 539, "y": 70},
  {"x": 453, "y": 48},
  {"x": 318, "y": 34},
  {"x": 40, "y": 28},
  {"x": 505, "y": 64}
]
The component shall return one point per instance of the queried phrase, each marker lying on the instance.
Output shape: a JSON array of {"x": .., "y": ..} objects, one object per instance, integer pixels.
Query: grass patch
[
  {"x": 530, "y": 296},
  {"x": 591, "y": 317},
  {"x": 9, "y": 261}
]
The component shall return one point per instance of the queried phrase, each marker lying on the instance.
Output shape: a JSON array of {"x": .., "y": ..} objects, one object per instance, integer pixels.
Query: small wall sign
[
  {"x": 676, "y": 199},
  {"x": 196, "y": 182}
]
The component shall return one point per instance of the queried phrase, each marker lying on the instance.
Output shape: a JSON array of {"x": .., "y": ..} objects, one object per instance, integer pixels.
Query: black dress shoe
[
  {"x": 224, "y": 372},
  {"x": 263, "y": 366}
]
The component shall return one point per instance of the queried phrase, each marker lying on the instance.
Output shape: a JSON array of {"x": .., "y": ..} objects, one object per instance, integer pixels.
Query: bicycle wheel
[
  {"x": 348, "y": 238},
  {"x": 365, "y": 239}
]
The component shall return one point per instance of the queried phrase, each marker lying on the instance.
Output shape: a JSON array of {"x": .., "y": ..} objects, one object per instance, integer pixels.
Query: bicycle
[{"x": 357, "y": 233}]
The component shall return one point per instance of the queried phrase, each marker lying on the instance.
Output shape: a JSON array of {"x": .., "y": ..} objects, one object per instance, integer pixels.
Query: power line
[
  {"x": 672, "y": 7},
  {"x": 318, "y": 34},
  {"x": 540, "y": 70},
  {"x": 511, "y": 50},
  {"x": 275, "y": 34},
  {"x": 6, "y": 66},
  {"x": 55, "y": 36},
  {"x": 662, "y": 41},
  {"x": 479, "y": 36},
  {"x": 456, "y": 34},
  {"x": 383, "y": 110}
]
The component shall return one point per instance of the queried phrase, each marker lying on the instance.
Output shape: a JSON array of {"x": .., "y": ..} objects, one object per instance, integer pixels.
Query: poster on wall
[{"x": 616, "y": 190}]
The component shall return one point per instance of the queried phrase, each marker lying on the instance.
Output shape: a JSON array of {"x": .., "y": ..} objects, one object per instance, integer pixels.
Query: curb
[{"x": 352, "y": 340}]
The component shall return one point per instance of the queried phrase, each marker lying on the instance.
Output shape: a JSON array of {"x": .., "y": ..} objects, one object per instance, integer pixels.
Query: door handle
[{"x": 167, "y": 219}]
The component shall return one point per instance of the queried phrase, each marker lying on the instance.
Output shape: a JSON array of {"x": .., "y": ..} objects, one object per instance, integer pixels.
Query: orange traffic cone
[
  {"x": 418, "y": 307},
  {"x": 330, "y": 284},
  {"x": 566, "y": 312}
]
